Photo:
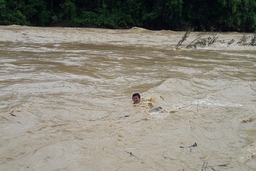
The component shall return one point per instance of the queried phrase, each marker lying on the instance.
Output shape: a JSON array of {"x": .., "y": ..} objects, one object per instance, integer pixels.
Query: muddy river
[{"x": 66, "y": 101}]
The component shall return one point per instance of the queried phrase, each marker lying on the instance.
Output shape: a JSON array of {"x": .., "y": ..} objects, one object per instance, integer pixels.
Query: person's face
[{"x": 136, "y": 99}]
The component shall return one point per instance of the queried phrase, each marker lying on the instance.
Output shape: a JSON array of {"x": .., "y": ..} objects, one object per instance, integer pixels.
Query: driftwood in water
[
  {"x": 231, "y": 41},
  {"x": 202, "y": 42},
  {"x": 253, "y": 41},
  {"x": 242, "y": 41},
  {"x": 184, "y": 37}
]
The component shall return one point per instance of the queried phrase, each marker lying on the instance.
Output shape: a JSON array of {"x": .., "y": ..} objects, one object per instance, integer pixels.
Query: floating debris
[
  {"x": 190, "y": 147},
  {"x": 156, "y": 109},
  {"x": 134, "y": 156},
  {"x": 125, "y": 116},
  {"x": 204, "y": 167},
  {"x": 247, "y": 120}
]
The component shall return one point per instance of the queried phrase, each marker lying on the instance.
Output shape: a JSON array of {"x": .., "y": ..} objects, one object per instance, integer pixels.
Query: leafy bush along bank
[{"x": 200, "y": 15}]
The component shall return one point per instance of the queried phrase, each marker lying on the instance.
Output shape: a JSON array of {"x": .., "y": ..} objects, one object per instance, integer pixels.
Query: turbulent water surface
[{"x": 66, "y": 101}]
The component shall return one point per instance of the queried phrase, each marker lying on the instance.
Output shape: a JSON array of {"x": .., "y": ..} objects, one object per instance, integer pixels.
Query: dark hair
[{"x": 136, "y": 94}]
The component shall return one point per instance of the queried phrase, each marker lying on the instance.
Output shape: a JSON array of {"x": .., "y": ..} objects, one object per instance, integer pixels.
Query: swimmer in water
[
  {"x": 136, "y": 98},
  {"x": 148, "y": 103}
]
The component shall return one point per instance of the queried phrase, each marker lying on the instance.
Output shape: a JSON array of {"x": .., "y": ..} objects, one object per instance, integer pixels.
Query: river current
[{"x": 66, "y": 101}]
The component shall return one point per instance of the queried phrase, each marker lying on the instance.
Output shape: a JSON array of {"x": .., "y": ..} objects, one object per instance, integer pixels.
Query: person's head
[{"x": 136, "y": 98}]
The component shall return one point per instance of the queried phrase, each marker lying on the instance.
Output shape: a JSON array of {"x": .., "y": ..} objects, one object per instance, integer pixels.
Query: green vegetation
[{"x": 199, "y": 15}]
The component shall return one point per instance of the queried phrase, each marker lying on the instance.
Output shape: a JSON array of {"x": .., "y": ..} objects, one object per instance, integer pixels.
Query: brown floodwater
[{"x": 66, "y": 101}]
